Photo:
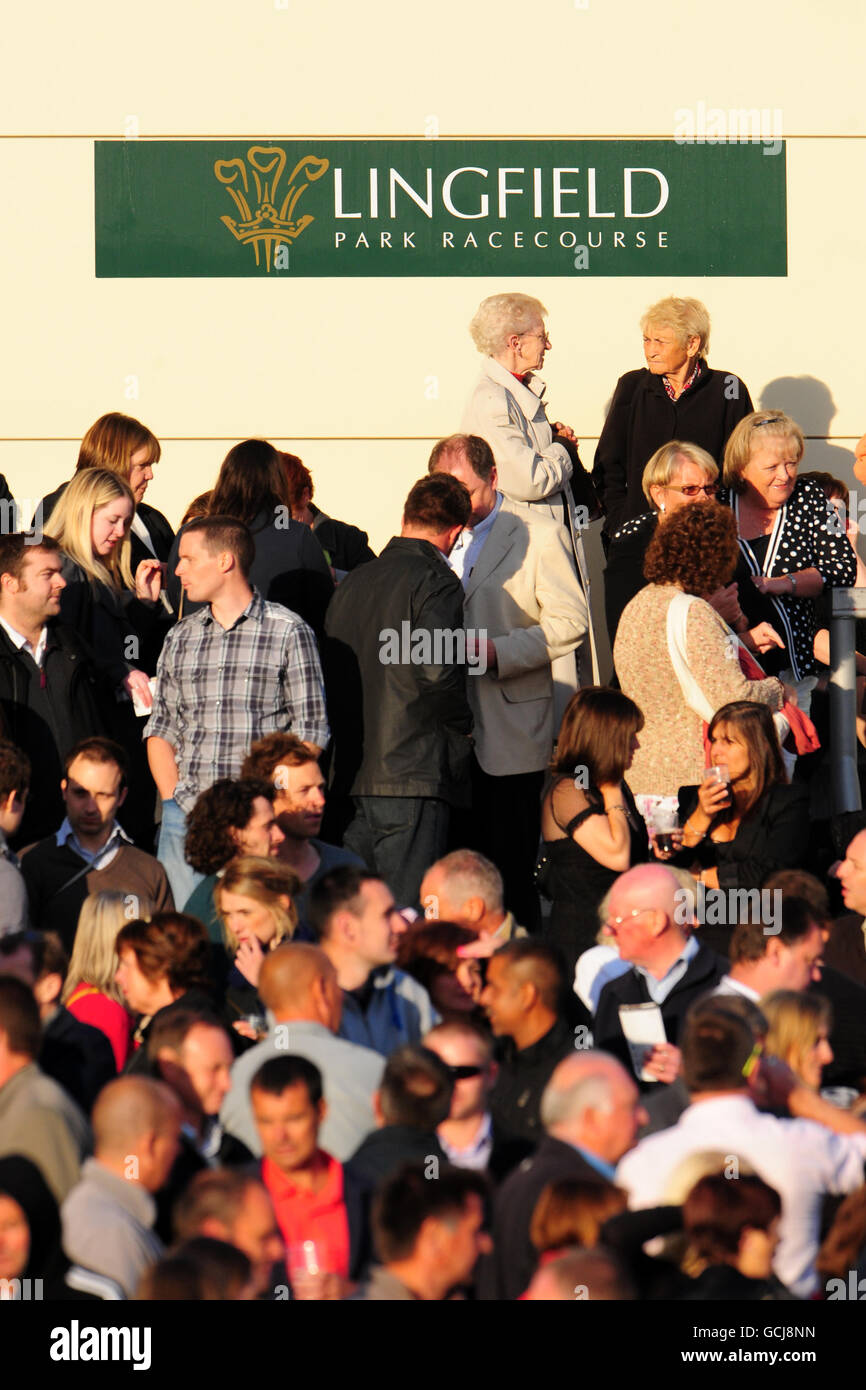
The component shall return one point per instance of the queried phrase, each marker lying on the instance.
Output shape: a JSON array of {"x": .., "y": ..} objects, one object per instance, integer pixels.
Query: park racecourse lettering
[{"x": 289, "y": 209}]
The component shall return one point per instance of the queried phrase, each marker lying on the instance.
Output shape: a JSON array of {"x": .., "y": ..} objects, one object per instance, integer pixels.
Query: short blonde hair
[
  {"x": 265, "y": 881},
  {"x": 500, "y": 315},
  {"x": 94, "y": 950},
  {"x": 756, "y": 429},
  {"x": 70, "y": 524},
  {"x": 664, "y": 464},
  {"x": 688, "y": 318},
  {"x": 796, "y": 1021}
]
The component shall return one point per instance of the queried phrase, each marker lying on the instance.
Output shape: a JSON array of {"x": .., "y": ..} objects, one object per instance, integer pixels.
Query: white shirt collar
[
  {"x": 142, "y": 532},
  {"x": 23, "y": 643}
]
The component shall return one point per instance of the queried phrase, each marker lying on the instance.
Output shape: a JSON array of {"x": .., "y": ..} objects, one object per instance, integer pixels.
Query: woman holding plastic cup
[{"x": 745, "y": 820}]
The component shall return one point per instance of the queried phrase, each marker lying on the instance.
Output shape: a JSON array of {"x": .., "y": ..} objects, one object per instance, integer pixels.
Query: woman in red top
[{"x": 90, "y": 992}]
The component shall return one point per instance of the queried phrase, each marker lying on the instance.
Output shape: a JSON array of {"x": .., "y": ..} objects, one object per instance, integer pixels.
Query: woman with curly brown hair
[{"x": 676, "y": 656}]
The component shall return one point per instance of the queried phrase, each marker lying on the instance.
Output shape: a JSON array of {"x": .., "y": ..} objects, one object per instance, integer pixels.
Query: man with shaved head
[
  {"x": 591, "y": 1113},
  {"x": 108, "y": 1217},
  {"x": 298, "y": 986},
  {"x": 669, "y": 966}
]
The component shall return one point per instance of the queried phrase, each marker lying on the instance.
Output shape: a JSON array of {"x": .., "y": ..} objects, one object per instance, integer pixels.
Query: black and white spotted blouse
[{"x": 806, "y": 534}]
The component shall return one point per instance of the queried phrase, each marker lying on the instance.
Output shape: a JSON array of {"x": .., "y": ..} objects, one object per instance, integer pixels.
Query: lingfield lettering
[{"x": 75, "y": 1343}]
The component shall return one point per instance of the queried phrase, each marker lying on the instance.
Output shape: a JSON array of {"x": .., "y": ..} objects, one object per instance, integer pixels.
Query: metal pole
[{"x": 843, "y": 699}]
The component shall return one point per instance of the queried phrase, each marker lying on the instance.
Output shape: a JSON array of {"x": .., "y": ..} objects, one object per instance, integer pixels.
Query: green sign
[{"x": 314, "y": 208}]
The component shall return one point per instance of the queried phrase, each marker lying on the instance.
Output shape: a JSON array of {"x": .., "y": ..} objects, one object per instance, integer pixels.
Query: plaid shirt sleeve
[
  {"x": 303, "y": 687},
  {"x": 162, "y": 722}
]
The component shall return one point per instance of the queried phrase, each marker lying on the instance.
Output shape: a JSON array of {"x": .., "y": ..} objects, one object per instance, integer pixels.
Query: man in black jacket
[
  {"x": 49, "y": 695},
  {"x": 412, "y": 1101},
  {"x": 395, "y": 672},
  {"x": 75, "y": 1055},
  {"x": 669, "y": 967},
  {"x": 591, "y": 1112}
]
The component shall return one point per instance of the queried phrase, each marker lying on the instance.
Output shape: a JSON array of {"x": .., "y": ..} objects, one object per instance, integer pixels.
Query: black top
[
  {"x": 46, "y": 712},
  {"x": 289, "y": 567},
  {"x": 642, "y": 417},
  {"x": 805, "y": 535},
  {"x": 576, "y": 882},
  {"x": 758, "y": 607},
  {"x": 387, "y": 1149},
  {"x": 623, "y": 575},
  {"x": 345, "y": 546},
  {"x": 113, "y": 622},
  {"x": 523, "y": 1075},
  {"x": 400, "y": 725},
  {"x": 78, "y": 1057},
  {"x": 506, "y": 1273},
  {"x": 774, "y": 835}
]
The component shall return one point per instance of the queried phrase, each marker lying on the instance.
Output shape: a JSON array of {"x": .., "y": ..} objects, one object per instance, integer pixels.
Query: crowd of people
[{"x": 357, "y": 941}]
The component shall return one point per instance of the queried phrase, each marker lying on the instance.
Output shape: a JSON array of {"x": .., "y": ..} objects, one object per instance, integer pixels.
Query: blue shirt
[
  {"x": 605, "y": 1169},
  {"x": 469, "y": 544},
  {"x": 659, "y": 990}
]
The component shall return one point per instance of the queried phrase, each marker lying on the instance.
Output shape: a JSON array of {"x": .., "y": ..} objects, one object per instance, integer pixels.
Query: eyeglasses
[
  {"x": 464, "y": 1073},
  {"x": 543, "y": 336},
  {"x": 773, "y": 420},
  {"x": 618, "y": 921},
  {"x": 692, "y": 489}
]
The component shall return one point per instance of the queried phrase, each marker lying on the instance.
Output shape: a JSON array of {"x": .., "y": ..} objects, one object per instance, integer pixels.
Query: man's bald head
[
  {"x": 136, "y": 1127},
  {"x": 129, "y": 1107},
  {"x": 299, "y": 983},
  {"x": 591, "y": 1101},
  {"x": 646, "y": 908}
]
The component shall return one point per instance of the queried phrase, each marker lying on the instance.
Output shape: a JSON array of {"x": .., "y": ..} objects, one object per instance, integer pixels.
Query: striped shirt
[{"x": 218, "y": 689}]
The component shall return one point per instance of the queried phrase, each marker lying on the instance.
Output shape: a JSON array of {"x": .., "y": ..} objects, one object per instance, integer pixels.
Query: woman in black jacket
[
  {"x": 745, "y": 820},
  {"x": 116, "y": 614},
  {"x": 289, "y": 565},
  {"x": 676, "y": 396}
]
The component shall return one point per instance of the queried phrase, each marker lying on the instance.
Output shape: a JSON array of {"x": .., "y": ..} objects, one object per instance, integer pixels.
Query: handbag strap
[{"x": 677, "y": 620}]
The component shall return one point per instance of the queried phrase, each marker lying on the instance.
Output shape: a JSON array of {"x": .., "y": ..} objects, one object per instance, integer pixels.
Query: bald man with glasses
[{"x": 669, "y": 966}]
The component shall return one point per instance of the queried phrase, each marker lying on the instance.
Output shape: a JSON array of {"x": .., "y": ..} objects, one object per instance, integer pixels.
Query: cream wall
[{"x": 360, "y": 376}]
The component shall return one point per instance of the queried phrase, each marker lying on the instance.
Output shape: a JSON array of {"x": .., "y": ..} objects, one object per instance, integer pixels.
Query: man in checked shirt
[{"x": 228, "y": 674}]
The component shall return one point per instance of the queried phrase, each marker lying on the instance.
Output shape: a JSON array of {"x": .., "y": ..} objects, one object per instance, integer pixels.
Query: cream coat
[
  {"x": 532, "y": 470},
  {"x": 523, "y": 595}
]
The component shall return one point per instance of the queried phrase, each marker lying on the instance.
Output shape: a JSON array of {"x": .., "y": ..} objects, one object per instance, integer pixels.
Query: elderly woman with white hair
[
  {"x": 676, "y": 396},
  {"x": 536, "y": 462}
]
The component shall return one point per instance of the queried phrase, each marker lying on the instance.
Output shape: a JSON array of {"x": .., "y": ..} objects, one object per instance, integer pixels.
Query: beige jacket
[{"x": 523, "y": 595}]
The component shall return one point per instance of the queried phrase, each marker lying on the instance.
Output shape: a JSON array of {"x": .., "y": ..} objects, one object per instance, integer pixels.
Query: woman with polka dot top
[{"x": 791, "y": 544}]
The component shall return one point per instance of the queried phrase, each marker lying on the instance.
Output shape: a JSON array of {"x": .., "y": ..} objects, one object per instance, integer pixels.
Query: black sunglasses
[{"x": 464, "y": 1073}]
